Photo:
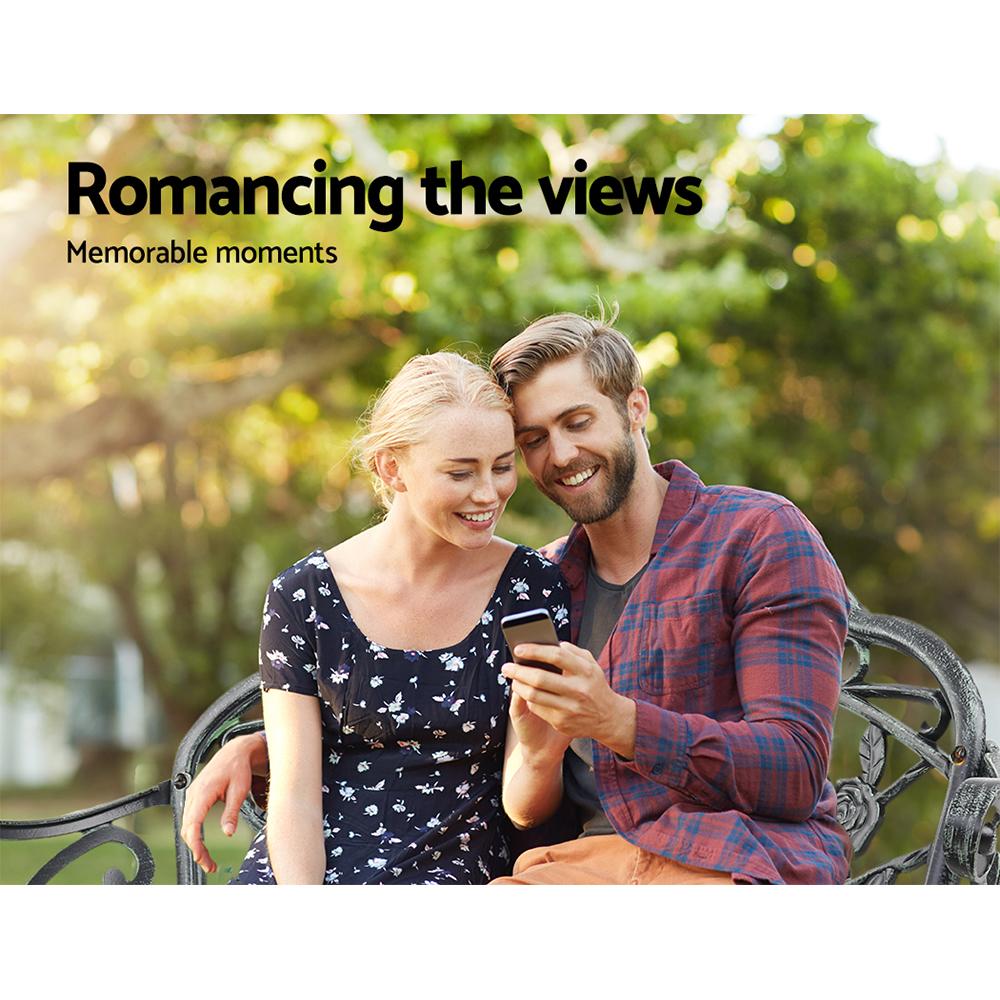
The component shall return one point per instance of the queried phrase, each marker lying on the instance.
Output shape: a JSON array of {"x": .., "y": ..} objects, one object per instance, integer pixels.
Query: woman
[{"x": 384, "y": 705}]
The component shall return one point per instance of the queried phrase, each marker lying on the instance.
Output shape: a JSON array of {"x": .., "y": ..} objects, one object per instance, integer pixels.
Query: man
[{"x": 691, "y": 719}]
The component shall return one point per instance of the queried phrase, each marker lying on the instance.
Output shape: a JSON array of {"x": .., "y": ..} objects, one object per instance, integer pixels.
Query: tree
[{"x": 174, "y": 435}]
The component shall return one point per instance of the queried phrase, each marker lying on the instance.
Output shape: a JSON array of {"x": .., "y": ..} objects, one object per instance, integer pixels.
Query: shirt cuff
[{"x": 661, "y": 745}]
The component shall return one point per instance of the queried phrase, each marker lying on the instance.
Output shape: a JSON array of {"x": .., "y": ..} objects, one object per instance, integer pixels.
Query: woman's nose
[{"x": 484, "y": 491}]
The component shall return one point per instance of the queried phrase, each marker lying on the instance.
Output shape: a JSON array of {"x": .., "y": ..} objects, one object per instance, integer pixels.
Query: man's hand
[
  {"x": 226, "y": 777},
  {"x": 578, "y": 702}
]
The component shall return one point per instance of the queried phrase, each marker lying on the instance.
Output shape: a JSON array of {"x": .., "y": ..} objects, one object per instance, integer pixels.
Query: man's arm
[
  {"x": 226, "y": 777},
  {"x": 789, "y": 627},
  {"x": 790, "y": 622}
]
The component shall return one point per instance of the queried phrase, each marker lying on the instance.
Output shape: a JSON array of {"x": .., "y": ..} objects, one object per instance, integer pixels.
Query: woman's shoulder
[
  {"x": 526, "y": 561},
  {"x": 302, "y": 576},
  {"x": 347, "y": 560},
  {"x": 532, "y": 581},
  {"x": 322, "y": 564}
]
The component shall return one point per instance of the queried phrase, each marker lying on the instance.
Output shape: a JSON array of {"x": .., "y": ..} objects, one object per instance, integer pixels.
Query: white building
[{"x": 44, "y": 721}]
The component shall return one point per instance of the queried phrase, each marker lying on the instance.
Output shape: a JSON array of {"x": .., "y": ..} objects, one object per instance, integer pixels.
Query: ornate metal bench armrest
[
  {"x": 964, "y": 845},
  {"x": 96, "y": 826},
  {"x": 969, "y": 833}
]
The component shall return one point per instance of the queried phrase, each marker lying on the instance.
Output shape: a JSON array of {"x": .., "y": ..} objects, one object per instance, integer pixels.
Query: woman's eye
[
  {"x": 459, "y": 475},
  {"x": 502, "y": 469}
]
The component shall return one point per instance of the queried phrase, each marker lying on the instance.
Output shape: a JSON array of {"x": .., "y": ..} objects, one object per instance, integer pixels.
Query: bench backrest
[{"x": 895, "y": 755}]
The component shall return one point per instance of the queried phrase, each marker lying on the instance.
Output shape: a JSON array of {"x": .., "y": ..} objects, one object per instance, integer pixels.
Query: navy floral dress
[{"x": 412, "y": 739}]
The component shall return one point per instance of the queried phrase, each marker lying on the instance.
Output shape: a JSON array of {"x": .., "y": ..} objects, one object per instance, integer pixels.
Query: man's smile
[{"x": 578, "y": 478}]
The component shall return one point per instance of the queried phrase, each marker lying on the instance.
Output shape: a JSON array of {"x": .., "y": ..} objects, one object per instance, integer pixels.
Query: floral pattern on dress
[{"x": 412, "y": 739}]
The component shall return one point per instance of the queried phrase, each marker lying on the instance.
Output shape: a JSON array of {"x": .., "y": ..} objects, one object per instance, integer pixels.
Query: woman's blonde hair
[{"x": 397, "y": 417}]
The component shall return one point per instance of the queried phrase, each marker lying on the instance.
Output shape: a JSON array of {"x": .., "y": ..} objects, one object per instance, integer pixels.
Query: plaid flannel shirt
[{"x": 731, "y": 647}]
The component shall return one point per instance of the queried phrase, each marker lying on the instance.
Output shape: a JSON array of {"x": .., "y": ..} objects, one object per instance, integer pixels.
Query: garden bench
[{"x": 950, "y": 749}]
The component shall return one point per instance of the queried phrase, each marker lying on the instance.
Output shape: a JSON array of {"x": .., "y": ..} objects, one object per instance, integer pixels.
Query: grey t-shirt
[{"x": 602, "y": 607}]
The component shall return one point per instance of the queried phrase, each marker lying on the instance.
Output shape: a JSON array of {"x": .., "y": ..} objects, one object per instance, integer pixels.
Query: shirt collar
[{"x": 684, "y": 488}]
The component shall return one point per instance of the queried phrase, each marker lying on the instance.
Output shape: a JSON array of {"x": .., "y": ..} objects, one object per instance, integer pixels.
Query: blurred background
[{"x": 172, "y": 436}]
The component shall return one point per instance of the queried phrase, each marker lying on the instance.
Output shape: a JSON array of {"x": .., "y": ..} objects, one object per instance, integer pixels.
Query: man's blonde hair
[
  {"x": 397, "y": 417},
  {"x": 609, "y": 356}
]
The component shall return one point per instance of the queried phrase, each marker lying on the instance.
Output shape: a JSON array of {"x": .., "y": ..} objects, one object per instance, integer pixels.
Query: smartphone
[{"x": 530, "y": 626}]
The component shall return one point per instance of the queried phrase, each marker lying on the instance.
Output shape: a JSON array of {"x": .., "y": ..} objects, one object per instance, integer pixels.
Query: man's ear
[
  {"x": 637, "y": 406},
  {"x": 387, "y": 469}
]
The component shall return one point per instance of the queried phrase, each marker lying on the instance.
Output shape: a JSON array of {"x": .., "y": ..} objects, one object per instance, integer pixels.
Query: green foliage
[{"x": 826, "y": 329}]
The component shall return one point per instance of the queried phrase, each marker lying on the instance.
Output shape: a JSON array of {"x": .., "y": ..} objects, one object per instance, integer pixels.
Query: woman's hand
[
  {"x": 532, "y": 768},
  {"x": 538, "y": 741}
]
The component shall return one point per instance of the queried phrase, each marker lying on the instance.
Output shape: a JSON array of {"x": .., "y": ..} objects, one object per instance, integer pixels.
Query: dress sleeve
[
  {"x": 287, "y": 646},
  {"x": 558, "y": 605},
  {"x": 551, "y": 592}
]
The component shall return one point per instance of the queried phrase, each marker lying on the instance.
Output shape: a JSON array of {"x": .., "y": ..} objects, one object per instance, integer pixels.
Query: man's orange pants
[{"x": 605, "y": 860}]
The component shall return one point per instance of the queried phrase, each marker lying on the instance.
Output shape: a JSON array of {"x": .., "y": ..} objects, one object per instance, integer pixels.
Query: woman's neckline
[{"x": 423, "y": 652}]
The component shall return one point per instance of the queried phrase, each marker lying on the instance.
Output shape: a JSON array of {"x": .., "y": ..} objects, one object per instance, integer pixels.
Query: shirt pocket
[{"x": 683, "y": 645}]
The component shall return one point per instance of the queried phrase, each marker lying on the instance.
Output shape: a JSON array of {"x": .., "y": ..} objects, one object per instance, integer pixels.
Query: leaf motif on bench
[
  {"x": 886, "y": 874},
  {"x": 872, "y": 753}
]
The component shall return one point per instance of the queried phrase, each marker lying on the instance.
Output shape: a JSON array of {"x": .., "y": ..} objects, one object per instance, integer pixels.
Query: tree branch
[
  {"x": 626, "y": 257},
  {"x": 113, "y": 140},
  {"x": 31, "y": 452}
]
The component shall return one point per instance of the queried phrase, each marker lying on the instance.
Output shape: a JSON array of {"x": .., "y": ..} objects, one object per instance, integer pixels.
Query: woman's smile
[{"x": 479, "y": 520}]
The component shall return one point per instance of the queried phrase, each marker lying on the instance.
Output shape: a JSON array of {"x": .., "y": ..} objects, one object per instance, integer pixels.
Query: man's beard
[{"x": 620, "y": 471}]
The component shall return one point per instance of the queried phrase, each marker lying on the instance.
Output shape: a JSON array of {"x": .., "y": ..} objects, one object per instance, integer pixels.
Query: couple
[{"x": 689, "y": 730}]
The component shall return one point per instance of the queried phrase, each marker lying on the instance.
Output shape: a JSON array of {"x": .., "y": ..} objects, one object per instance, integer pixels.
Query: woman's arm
[
  {"x": 295, "y": 799},
  {"x": 534, "y": 751},
  {"x": 532, "y": 766}
]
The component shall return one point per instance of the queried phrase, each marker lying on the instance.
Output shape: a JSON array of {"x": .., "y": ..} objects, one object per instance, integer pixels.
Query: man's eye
[
  {"x": 531, "y": 443},
  {"x": 579, "y": 425}
]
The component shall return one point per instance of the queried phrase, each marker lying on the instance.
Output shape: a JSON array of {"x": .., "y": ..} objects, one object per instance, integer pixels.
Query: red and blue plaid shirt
[{"x": 731, "y": 647}]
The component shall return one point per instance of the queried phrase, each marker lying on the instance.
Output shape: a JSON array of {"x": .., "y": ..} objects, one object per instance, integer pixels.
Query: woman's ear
[{"x": 387, "y": 469}]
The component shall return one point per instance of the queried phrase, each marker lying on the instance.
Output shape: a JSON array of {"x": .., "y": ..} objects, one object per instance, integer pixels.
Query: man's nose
[{"x": 562, "y": 451}]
